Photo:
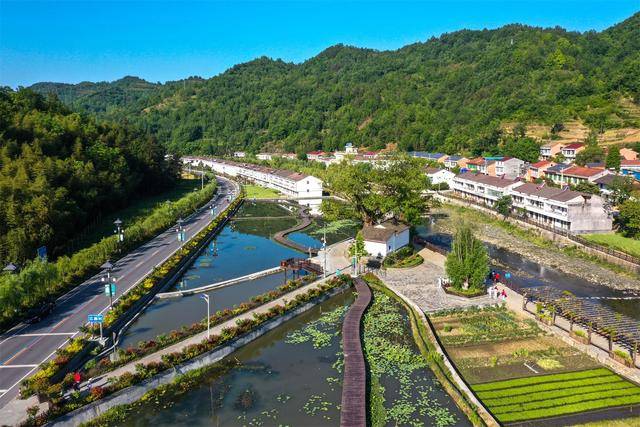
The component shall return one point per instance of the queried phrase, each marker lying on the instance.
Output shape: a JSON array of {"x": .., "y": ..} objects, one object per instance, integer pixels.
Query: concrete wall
[{"x": 134, "y": 393}]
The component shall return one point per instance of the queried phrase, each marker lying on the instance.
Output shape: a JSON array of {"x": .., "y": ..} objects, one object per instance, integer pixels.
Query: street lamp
[
  {"x": 206, "y": 298},
  {"x": 118, "y": 232},
  {"x": 181, "y": 233},
  {"x": 109, "y": 288}
]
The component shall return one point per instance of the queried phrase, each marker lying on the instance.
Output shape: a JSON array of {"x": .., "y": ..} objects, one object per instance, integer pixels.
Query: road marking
[
  {"x": 36, "y": 367},
  {"x": 44, "y": 334},
  {"x": 17, "y": 366}
]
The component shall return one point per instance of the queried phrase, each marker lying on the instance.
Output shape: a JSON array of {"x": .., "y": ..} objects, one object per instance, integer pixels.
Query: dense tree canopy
[
  {"x": 59, "y": 170},
  {"x": 375, "y": 193},
  {"x": 451, "y": 93}
]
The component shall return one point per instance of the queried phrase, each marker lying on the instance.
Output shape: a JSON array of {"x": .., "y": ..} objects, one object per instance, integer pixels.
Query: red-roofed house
[
  {"x": 628, "y": 154},
  {"x": 315, "y": 155},
  {"x": 575, "y": 175},
  {"x": 536, "y": 170},
  {"x": 570, "y": 151}
]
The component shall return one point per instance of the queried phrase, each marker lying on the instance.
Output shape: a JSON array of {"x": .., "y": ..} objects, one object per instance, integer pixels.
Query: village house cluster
[{"x": 306, "y": 189}]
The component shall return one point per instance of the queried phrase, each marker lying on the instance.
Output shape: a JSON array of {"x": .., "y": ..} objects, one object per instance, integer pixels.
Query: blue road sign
[
  {"x": 41, "y": 252},
  {"x": 95, "y": 318}
]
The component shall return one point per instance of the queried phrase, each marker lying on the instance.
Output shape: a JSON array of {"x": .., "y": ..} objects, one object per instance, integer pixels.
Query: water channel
[{"x": 525, "y": 273}]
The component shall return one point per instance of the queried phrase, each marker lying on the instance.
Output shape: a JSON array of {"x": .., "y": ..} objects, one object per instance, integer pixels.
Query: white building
[
  {"x": 510, "y": 167},
  {"x": 264, "y": 156},
  {"x": 562, "y": 209},
  {"x": 482, "y": 188},
  {"x": 384, "y": 238},
  {"x": 239, "y": 154},
  {"x": 307, "y": 188},
  {"x": 439, "y": 176}
]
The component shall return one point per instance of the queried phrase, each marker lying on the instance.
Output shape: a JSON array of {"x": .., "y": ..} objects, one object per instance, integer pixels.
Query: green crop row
[
  {"x": 556, "y": 385},
  {"x": 542, "y": 379},
  {"x": 568, "y": 400},
  {"x": 570, "y": 408},
  {"x": 556, "y": 393}
]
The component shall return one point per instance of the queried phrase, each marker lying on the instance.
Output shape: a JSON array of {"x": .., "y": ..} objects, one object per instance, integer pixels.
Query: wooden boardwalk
[{"x": 353, "y": 412}]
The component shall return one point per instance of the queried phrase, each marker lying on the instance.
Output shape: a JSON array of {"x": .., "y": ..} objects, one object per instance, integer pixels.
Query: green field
[
  {"x": 555, "y": 395},
  {"x": 258, "y": 192},
  {"x": 616, "y": 241},
  {"x": 138, "y": 209}
]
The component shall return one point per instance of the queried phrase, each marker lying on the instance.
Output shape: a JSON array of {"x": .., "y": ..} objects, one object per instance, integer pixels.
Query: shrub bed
[
  {"x": 42, "y": 382},
  {"x": 403, "y": 258},
  {"x": 144, "y": 371},
  {"x": 40, "y": 281},
  {"x": 147, "y": 347}
]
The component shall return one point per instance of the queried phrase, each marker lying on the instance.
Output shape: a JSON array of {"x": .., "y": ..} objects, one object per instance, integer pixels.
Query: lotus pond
[{"x": 289, "y": 376}]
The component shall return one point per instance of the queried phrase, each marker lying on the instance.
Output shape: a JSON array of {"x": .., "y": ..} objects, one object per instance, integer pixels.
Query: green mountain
[{"x": 449, "y": 93}]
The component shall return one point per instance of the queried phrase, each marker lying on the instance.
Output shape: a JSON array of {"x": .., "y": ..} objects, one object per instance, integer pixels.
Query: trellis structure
[{"x": 616, "y": 327}]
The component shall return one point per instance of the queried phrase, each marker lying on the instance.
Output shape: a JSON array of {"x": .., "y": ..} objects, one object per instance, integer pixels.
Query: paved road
[{"x": 25, "y": 346}]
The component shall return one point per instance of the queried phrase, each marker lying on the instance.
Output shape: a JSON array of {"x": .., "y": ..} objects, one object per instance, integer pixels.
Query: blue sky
[{"x": 162, "y": 40}]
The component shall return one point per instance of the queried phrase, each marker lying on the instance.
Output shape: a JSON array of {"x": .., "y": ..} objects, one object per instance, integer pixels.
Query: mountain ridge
[{"x": 448, "y": 93}]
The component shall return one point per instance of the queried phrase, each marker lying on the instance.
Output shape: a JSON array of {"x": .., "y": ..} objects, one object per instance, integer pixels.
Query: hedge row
[
  {"x": 41, "y": 384},
  {"x": 571, "y": 408},
  {"x": 60, "y": 406},
  {"x": 558, "y": 392},
  {"x": 554, "y": 385},
  {"x": 497, "y": 385},
  {"x": 144, "y": 348},
  {"x": 38, "y": 281}
]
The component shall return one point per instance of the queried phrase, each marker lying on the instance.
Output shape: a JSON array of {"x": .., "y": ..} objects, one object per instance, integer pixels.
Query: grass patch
[
  {"x": 403, "y": 258},
  {"x": 616, "y": 241},
  {"x": 257, "y": 192},
  {"x": 557, "y": 394}
]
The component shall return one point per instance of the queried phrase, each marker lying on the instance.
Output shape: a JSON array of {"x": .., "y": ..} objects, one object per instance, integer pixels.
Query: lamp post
[
  {"x": 206, "y": 298},
  {"x": 118, "y": 232},
  {"x": 181, "y": 233},
  {"x": 109, "y": 288}
]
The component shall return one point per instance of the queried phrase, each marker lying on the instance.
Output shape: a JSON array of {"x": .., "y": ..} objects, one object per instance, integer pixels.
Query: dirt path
[{"x": 548, "y": 257}]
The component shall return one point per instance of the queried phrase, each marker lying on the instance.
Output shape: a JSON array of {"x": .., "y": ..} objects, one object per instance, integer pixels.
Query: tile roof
[
  {"x": 582, "y": 172},
  {"x": 383, "y": 231},
  {"x": 573, "y": 146},
  {"x": 486, "y": 179},
  {"x": 476, "y": 161},
  {"x": 624, "y": 162},
  {"x": 607, "y": 179},
  {"x": 454, "y": 158},
  {"x": 541, "y": 164},
  {"x": 547, "y": 192},
  {"x": 558, "y": 167}
]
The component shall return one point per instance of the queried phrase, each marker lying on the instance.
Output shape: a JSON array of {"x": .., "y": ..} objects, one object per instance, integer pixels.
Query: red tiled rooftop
[
  {"x": 581, "y": 171},
  {"x": 573, "y": 146},
  {"x": 624, "y": 162},
  {"x": 540, "y": 164}
]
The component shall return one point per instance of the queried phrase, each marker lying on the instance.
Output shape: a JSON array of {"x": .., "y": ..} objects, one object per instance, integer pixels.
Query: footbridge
[{"x": 218, "y": 285}]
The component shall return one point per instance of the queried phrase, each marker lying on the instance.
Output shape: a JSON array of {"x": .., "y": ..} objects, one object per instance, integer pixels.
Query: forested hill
[
  {"x": 448, "y": 93},
  {"x": 59, "y": 170}
]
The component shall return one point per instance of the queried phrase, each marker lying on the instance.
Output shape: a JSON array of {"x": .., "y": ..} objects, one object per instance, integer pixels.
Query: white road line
[
  {"x": 36, "y": 366},
  {"x": 17, "y": 366},
  {"x": 44, "y": 334}
]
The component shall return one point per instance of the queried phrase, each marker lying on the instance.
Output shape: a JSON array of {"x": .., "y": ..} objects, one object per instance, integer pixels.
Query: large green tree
[
  {"x": 613, "y": 158},
  {"x": 629, "y": 218},
  {"x": 393, "y": 187},
  {"x": 467, "y": 264},
  {"x": 60, "y": 170}
]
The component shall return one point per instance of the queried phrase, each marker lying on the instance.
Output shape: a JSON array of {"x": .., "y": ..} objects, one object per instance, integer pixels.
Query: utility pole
[{"x": 324, "y": 248}]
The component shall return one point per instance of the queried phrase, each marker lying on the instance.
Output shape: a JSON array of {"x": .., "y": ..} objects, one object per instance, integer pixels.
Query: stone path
[{"x": 420, "y": 285}]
